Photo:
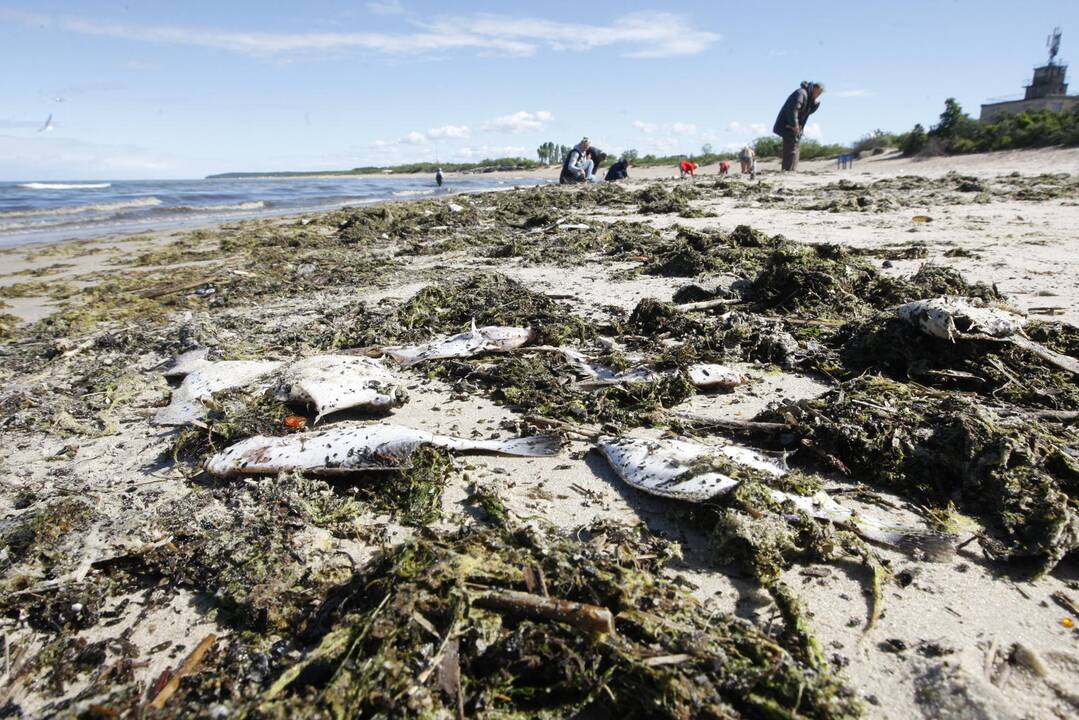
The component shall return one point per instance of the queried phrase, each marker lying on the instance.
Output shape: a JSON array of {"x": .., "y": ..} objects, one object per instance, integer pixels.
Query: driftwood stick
[
  {"x": 746, "y": 426},
  {"x": 190, "y": 664},
  {"x": 590, "y": 618},
  {"x": 585, "y": 431},
  {"x": 703, "y": 305},
  {"x": 1064, "y": 362}
]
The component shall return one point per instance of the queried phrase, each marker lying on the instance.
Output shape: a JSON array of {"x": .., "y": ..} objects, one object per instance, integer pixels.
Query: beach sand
[{"x": 942, "y": 646}]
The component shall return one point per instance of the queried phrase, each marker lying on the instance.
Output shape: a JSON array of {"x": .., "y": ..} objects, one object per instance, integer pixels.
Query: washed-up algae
[
  {"x": 35, "y": 538},
  {"x": 543, "y": 384},
  {"x": 558, "y": 246},
  {"x": 1016, "y": 473},
  {"x": 421, "y": 632},
  {"x": 451, "y": 306},
  {"x": 1000, "y": 372}
]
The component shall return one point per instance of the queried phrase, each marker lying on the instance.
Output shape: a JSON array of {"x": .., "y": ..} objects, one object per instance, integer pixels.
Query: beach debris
[
  {"x": 705, "y": 376},
  {"x": 921, "y": 219},
  {"x": 686, "y": 470},
  {"x": 341, "y": 382},
  {"x": 462, "y": 601},
  {"x": 956, "y": 318},
  {"x": 1015, "y": 473},
  {"x": 473, "y": 342},
  {"x": 351, "y": 448},
  {"x": 190, "y": 665},
  {"x": 201, "y": 379}
]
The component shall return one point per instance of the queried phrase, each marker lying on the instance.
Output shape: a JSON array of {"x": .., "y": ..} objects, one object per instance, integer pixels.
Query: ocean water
[{"x": 52, "y": 211}]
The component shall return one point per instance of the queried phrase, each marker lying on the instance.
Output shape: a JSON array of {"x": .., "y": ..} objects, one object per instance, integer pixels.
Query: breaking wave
[{"x": 81, "y": 209}]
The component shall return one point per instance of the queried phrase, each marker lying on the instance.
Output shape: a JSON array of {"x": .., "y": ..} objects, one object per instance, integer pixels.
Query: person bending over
[
  {"x": 745, "y": 158},
  {"x": 791, "y": 122},
  {"x": 687, "y": 167}
]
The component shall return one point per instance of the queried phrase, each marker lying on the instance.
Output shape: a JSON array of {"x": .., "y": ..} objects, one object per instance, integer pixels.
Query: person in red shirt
[
  {"x": 724, "y": 167},
  {"x": 688, "y": 167}
]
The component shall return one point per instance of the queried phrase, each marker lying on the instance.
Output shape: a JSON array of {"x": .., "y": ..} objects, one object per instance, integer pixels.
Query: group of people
[{"x": 583, "y": 161}]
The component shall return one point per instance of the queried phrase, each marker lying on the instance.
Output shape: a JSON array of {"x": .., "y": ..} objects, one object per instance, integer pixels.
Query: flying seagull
[{"x": 47, "y": 127}]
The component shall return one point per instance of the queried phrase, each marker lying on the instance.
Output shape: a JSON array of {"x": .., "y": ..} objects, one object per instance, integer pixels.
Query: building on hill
[{"x": 1048, "y": 90}]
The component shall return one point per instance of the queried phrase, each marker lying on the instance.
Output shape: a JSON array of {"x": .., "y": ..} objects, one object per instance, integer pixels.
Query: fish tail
[
  {"x": 534, "y": 446},
  {"x": 933, "y": 546}
]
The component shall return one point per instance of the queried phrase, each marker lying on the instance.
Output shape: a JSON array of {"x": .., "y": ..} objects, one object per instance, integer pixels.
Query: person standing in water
[
  {"x": 438, "y": 177},
  {"x": 791, "y": 122}
]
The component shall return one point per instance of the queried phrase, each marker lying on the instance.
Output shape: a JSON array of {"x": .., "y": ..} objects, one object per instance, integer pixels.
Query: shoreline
[{"x": 81, "y": 389}]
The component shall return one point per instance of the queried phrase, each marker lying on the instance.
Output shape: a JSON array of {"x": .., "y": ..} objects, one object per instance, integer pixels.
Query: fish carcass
[
  {"x": 686, "y": 470},
  {"x": 958, "y": 318},
  {"x": 341, "y": 382},
  {"x": 349, "y": 448},
  {"x": 475, "y": 341},
  {"x": 201, "y": 379},
  {"x": 705, "y": 376}
]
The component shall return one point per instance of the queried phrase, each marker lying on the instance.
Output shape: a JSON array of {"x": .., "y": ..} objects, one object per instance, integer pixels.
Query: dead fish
[
  {"x": 706, "y": 376},
  {"x": 492, "y": 338},
  {"x": 350, "y": 448},
  {"x": 202, "y": 378},
  {"x": 958, "y": 318},
  {"x": 341, "y": 382},
  {"x": 679, "y": 469}
]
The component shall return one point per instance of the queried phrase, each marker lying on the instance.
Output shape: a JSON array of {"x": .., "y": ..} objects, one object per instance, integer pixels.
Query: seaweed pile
[
  {"x": 487, "y": 623},
  {"x": 502, "y": 621},
  {"x": 1020, "y": 475}
]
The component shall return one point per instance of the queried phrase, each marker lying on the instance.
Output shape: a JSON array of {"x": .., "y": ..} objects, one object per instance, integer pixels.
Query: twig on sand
[
  {"x": 586, "y": 431},
  {"x": 590, "y": 618},
  {"x": 703, "y": 305},
  {"x": 734, "y": 424},
  {"x": 190, "y": 664},
  {"x": 1065, "y": 601}
]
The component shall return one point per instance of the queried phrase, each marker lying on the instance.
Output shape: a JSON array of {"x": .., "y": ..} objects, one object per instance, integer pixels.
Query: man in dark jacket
[
  {"x": 791, "y": 122},
  {"x": 618, "y": 171}
]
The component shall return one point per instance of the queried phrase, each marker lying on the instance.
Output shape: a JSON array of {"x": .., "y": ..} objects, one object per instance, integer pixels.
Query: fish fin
[
  {"x": 933, "y": 546},
  {"x": 534, "y": 446}
]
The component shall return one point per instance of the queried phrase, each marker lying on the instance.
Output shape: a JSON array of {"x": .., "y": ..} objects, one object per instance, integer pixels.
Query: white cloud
[
  {"x": 637, "y": 34},
  {"x": 520, "y": 121},
  {"x": 675, "y": 128},
  {"x": 448, "y": 131},
  {"x": 747, "y": 129},
  {"x": 439, "y": 133},
  {"x": 484, "y": 152},
  {"x": 851, "y": 93},
  {"x": 387, "y": 7},
  {"x": 813, "y": 132}
]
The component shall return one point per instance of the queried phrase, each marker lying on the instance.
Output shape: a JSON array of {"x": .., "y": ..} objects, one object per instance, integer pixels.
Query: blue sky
[{"x": 167, "y": 89}]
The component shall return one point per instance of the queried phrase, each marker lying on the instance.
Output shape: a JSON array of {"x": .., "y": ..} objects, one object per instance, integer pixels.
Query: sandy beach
[{"x": 91, "y": 487}]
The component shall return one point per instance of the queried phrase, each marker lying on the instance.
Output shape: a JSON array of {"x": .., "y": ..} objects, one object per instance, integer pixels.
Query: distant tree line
[
  {"x": 551, "y": 153},
  {"x": 958, "y": 133}
]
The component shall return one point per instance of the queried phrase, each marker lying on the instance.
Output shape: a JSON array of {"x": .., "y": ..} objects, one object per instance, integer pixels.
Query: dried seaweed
[
  {"x": 411, "y": 636},
  {"x": 1018, "y": 475}
]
